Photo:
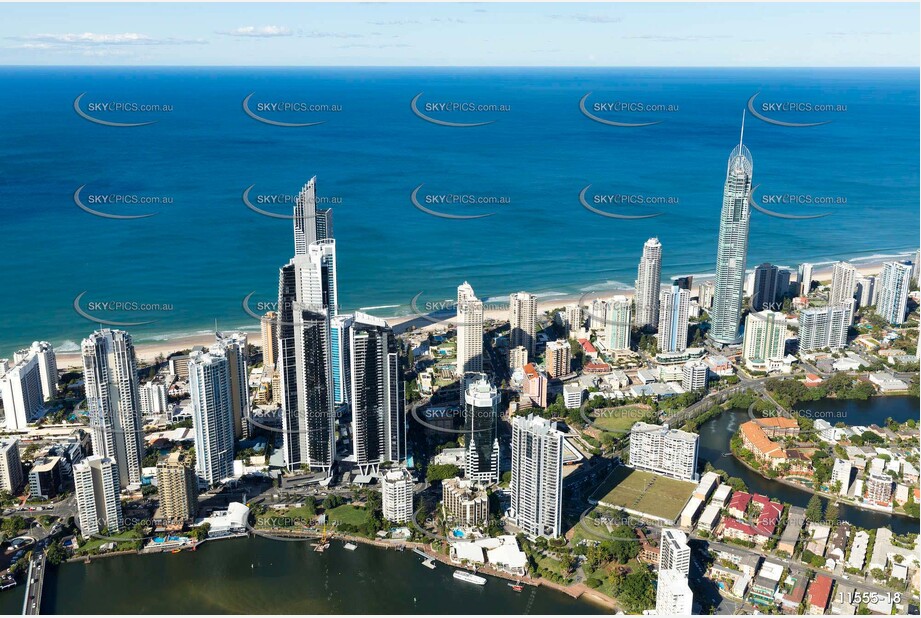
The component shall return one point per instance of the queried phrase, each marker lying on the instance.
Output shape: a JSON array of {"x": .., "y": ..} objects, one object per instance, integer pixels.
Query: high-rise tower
[
  {"x": 648, "y": 282},
  {"x": 733, "y": 246}
]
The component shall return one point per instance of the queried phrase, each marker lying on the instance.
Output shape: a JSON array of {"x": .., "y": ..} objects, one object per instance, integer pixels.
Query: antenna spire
[{"x": 742, "y": 132}]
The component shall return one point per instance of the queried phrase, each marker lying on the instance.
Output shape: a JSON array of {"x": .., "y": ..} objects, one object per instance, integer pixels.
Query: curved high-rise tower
[{"x": 733, "y": 245}]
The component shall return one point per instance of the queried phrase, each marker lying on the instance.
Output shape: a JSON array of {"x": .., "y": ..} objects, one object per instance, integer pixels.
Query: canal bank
[
  {"x": 716, "y": 433},
  {"x": 259, "y": 575}
]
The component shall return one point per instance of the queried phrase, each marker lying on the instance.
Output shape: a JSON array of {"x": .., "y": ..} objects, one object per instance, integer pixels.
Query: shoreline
[
  {"x": 575, "y": 591},
  {"x": 147, "y": 352}
]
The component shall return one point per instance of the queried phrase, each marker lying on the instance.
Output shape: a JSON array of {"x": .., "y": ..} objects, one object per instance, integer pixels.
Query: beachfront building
[
  {"x": 619, "y": 323},
  {"x": 464, "y": 502},
  {"x": 517, "y": 357},
  {"x": 673, "y": 319},
  {"x": 177, "y": 488},
  {"x": 397, "y": 495},
  {"x": 378, "y": 425},
  {"x": 113, "y": 401},
  {"x": 732, "y": 248},
  {"x": 765, "y": 338},
  {"x": 673, "y": 594},
  {"x": 804, "y": 278},
  {"x": 557, "y": 358},
  {"x": 866, "y": 291},
  {"x": 771, "y": 285},
  {"x": 212, "y": 414},
  {"x": 824, "y": 327},
  {"x": 522, "y": 319},
  {"x": 648, "y": 282},
  {"x": 96, "y": 487},
  {"x": 469, "y": 331},
  {"x": 843, "y": 283},
  {"x": 21, "y": 393},
  {"x": 481, "y": 427},
  {"x": 670, "y": 452},
  {"x": 537, "y": 476},
  {"x": 894, "y": 284},
  {"x": 11, "y": 474},
  {"x": 674, "y": 552}
]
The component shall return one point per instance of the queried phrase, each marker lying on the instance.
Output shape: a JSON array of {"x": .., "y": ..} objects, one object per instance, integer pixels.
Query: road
[{"x": 32, "y": 602}]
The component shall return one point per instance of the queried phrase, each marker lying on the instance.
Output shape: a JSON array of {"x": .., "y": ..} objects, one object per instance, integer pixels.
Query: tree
[
  {"x": 332, "y": 501},
  {"x": 56, "y": 554},
  {"x": 440, "y": 472},
  {"x": 200, "y": 533},
  {"x": 831, "y": 512},
  {"x": 814, "y": 508}
]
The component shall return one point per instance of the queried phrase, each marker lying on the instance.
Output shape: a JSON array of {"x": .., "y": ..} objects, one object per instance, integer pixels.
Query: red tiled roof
[
  {"x": 819, "y": 591},
  {"x": 732, "y": 523},
  {"x": 587, "y": 346},
  {"x": 740, "y": 500}
]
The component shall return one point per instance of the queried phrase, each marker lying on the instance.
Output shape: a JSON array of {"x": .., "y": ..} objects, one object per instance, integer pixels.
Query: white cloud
[
  {"x": 85, "y": 39},
  {"x": 258, "y": 31}
]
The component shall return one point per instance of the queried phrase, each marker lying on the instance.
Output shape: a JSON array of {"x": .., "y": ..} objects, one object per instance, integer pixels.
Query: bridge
[{"x": 32, "y": 603}]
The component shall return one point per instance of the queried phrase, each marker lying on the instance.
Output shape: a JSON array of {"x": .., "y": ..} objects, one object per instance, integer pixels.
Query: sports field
[{"x": 644, "y": 492}]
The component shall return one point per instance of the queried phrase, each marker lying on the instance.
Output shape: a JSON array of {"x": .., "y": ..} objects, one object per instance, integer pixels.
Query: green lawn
[
  {"x": 94, "y": 543},
  {"x": 644, "y": 492},
  {"x": 619, "y": 419},
  {"x": 348, "y": 514},
  {"x": 290, "y": 518}
]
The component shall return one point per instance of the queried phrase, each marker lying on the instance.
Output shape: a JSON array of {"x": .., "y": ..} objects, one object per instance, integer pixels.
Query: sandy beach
[{"x": 148, "y": 352}]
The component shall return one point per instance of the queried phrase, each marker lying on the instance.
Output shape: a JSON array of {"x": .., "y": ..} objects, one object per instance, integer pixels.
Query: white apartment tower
[
  {"x": 21, "y": 392},
  {"x": 310, "y": 225},
  {"x": 212, "y": 414},
  {"x": 96, "y": 486},
  {"x": 765, "y": 337},
  {"x": 804, "y": 278},
  {"x": 673, "y": 319},
  {"x": 673, "y": 594},
  {"x": 537, "y": 476},
  {"x": 843, "y": 283},
  {"x": 522, "y": 318},
  {"x": 469, "y": 331},
  {"x": 894, "y": 284},
  {"x": 11, "y": 474},
  {"x": 397, "y": 495},
  {"x": 619, "y": 322},
  {"x": 670, "y": 452},
  {"x": 674, "y": 552},
  {"x": 824, "y": 327},
  {"x": 113, "y": 401},
  {"x": 648, "y": 282},
  {"x": 234, "y": 346}
]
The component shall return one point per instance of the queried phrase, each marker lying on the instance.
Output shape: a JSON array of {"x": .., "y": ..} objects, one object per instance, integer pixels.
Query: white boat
[
  {"x": 351, "y": 546},
  {"x": 470, "y": 578},
  {"x": 428, "y": 563}
]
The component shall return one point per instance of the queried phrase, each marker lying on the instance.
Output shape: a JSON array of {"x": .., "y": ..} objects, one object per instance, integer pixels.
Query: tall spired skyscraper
[
  {"x": 733, "y": 245},
  {"x": 307, "y": 301},
  {"x": 648, "y": 282},
  {"x": 310, "y": 224}
]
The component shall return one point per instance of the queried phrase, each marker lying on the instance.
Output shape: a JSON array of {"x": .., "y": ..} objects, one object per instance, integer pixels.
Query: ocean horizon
[{"x": 202, "y": 251}]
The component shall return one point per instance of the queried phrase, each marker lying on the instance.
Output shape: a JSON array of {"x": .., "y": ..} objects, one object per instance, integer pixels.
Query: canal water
[
  {"x": 258, "y": 575},
  {"x": 714, "y": 447}
]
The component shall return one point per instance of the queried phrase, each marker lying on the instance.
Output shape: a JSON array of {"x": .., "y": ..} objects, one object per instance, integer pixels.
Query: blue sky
[{"x": 470, "y": 34}]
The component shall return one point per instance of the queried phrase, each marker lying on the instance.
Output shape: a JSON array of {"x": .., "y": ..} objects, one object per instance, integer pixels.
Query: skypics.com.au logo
[
  {"x": 282, "y": 113},
  {"x": 614, "y": 113},
  {"x": 435, "y": 112},
  {"x": 118, "y": 111}
]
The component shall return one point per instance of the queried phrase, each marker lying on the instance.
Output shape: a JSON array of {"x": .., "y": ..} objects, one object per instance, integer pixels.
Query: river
[
  {"x": 715, "y": 435},
  {"x": 257, "y": 575}
]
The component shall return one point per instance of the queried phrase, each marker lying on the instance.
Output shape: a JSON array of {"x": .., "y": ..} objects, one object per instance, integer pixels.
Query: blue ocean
[{"x": 203, "y": 250}]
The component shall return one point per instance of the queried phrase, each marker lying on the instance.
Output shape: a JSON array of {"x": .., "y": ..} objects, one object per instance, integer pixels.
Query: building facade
[
  {"x": 522, "y": 318},
  {"x": 670, "y": 452},
  {"x": 537, "y": 476},
  {"x": 481, "y": 426},
  {"x": 648, "y": 282},
  {"x": 397, "y": 495},
  {"x": 177, "y": 486},
  {"x": 113, "y": 401},
  {"x": 96, "y": 486},
  {"x": 673, "y": 320},
  {"x": 894, "y": 282},
  {"x": 469, "y": 331}
]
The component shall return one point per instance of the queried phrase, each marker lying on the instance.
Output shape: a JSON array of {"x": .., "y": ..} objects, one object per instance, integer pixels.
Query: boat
[
  {"x": 470, "y": 578},
  {"x": 429, "y": 563},
  {"x": 351, "y": 546},
  {"x": 176, "y": 551},
  {"x": 517, "y": 587}
]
